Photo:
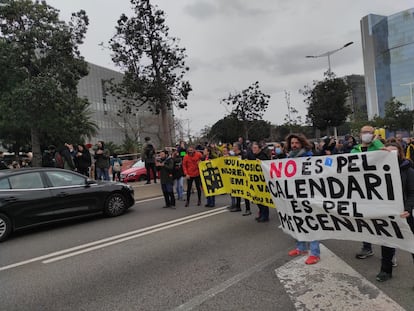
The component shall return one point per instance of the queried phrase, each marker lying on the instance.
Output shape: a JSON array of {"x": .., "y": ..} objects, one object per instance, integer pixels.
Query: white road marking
[
  {"x": 200, "y": 299},
  {"x": 130, "y": 237},
  {"x": 72, "y": 249},
  {"x": 331, "y": 284},
  {"x": 148, "y": 200}
]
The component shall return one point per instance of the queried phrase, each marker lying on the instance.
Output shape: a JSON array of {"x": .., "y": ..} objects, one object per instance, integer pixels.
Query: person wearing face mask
[
  {"x": 279, "y": 152},
  {"x": 407, "y": 183},
  {"x": 368, "y": 143}
]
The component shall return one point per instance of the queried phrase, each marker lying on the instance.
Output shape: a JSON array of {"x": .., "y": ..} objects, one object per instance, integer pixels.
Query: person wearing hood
[
  {"x": 368, "y": 143},
  {"x": 407, "y": 183}
]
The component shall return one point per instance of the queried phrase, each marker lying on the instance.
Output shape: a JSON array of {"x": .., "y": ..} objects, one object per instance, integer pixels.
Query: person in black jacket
[
  {"x": 83, "y": 160},
  {"x": 257, "y": 153},
  {"x": 407, "y": 182},
  {"x": 165, "y": 165},
  {"x": 236, "y": 201}
]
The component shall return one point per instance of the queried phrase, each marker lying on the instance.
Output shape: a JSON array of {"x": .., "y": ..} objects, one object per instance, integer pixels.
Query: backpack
[
  {"x": 116, "y": 167},
  {"x": 149, "y": 151}
]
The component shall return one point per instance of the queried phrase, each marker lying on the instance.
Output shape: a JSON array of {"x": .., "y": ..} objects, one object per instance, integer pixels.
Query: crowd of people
[{"x": 183, "y": 163}]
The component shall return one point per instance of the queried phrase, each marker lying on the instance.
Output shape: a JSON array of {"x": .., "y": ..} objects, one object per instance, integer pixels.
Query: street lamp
[{"x": 328, "y": 54}]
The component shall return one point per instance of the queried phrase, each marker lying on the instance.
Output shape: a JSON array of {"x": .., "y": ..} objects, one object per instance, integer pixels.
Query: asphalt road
[{"x": 152, "y": 258}]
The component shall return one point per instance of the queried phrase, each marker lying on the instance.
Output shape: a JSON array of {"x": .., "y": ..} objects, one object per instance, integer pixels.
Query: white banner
[{"x": 354, "y": 196}]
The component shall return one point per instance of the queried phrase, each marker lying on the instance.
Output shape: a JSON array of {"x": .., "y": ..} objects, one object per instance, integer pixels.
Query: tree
[
  {"x": 397, "y": 116},
  {"x": 39, "y": 56},
  {"x": 327, "y": 102},
  {"x": 248, "y": 105},
  {"x": 227, "y": 130},
  {"x": 153, "y": 63}
]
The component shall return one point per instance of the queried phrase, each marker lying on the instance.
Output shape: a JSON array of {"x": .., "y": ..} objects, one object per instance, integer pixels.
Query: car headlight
[{"x": 132, "y": 174}]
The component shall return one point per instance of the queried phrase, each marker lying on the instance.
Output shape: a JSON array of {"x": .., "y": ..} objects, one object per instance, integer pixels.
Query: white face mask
[{"x": 367, "y": 138}]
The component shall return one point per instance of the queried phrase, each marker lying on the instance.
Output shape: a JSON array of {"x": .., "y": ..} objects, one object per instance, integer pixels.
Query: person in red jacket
[{"x": 191, "y": 172}]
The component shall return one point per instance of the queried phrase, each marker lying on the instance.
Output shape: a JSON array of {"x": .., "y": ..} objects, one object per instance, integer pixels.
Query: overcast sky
[{"x": 233, "y": 43}]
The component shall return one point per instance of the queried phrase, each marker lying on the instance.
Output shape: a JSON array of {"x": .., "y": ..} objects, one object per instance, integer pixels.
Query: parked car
[
  {"x": 34, "y": 196},
  {"x": 136, "y": 172}
]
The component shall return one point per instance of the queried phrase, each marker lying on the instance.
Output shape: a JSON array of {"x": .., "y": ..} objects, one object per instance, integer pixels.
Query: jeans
[
  {"x": 211, "y": 201},
  {"x": 168, "y": 192},
  {"x": 313, "y": 246},
  {"x": 263, "y": 212},
  {"x": 179, "y": 187},
  {"x": 367, "y": 246},
  {"x": 102, "y": 173}
]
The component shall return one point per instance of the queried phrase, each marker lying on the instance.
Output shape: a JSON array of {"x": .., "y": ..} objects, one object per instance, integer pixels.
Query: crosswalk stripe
[{"x": 331, "y": 284}]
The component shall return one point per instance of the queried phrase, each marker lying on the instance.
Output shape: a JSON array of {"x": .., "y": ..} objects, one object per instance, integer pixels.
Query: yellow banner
[{"x": 240, "y": 178}]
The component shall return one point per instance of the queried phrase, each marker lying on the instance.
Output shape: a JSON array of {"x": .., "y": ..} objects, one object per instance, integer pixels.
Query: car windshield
[{"x": 138, "y": 164}]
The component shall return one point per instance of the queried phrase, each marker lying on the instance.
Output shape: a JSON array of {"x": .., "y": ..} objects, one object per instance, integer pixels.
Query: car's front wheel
[
  {"x": 5, "y": 227},
  {"x": 115, "y": 205}
]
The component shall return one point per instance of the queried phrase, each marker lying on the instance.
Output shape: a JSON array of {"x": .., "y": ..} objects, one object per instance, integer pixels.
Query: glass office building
[{"x": 388, "y": 50}]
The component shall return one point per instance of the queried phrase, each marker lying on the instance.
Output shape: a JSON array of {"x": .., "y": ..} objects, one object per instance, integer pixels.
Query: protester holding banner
[
  {"x": 191, "y": 172},
  {"x": 407, "y": 181},
  {"x": 236, "y": 201},
  {"x": 257, "y": 153},
  {"x": 299, "y": 146},
  {"x": 207, "y": 155},
  {"x": 368, "y": 143}
]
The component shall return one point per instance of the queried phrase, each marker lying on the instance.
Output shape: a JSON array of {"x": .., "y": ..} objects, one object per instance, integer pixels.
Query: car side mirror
[{"x": 90, "y": 182}]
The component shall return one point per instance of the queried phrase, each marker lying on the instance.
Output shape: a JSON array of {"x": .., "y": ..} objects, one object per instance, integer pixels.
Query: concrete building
[
  {"x": 104, "y": 109},
  {"x": 357, "y": 98},
  {"x": 388, "y": 50}
]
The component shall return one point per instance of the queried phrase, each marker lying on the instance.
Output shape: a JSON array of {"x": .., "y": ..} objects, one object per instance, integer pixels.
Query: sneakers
[
  {"x": 394, "y": 261},
  {"x": 312, "y": 260},
  {"x": 383, "y": 276},
  {"x": 247, "y": 213},
  {"x": 296, "y": 252},
  {"x": 235, "y": 209},
  {"x": 364, "y": 253}
]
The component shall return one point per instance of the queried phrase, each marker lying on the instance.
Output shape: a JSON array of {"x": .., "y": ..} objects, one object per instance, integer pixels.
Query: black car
[{"x": 33, "y": 196}]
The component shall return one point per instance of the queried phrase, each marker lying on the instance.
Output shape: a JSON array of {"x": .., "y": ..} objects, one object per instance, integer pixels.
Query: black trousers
[
  {"x": 197, "y": 181},
  {"x": 151, "y": 167},
  {"x": 246, "y": 203},
  {"x": 388, "y": 252}
]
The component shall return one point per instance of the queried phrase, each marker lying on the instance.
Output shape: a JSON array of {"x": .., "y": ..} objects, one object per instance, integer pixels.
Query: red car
[{"x": 136, "y": 172}]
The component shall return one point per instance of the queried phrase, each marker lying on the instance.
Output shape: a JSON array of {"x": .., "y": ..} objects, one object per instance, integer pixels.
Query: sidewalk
[{"x": 144, "y": 191}]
